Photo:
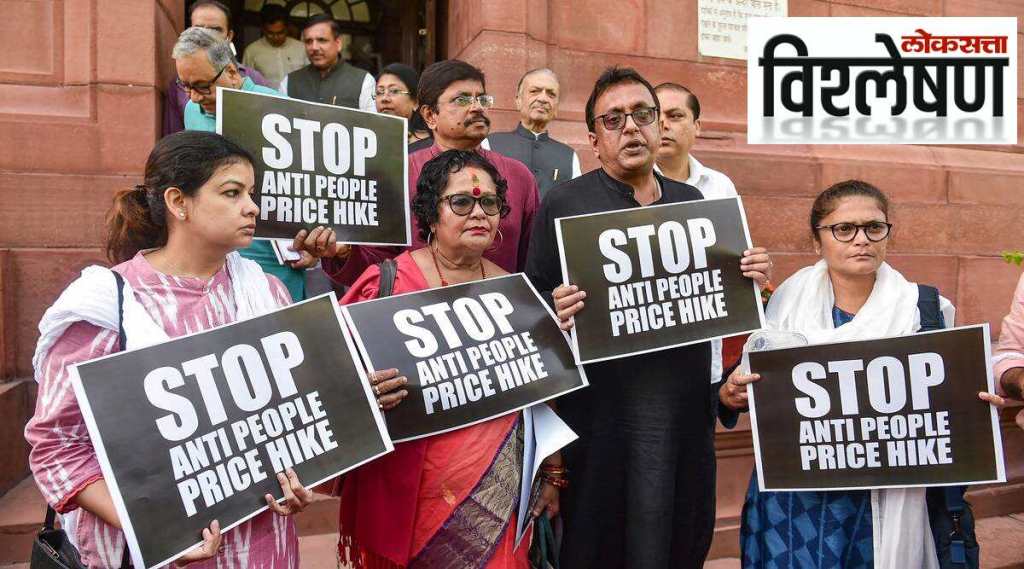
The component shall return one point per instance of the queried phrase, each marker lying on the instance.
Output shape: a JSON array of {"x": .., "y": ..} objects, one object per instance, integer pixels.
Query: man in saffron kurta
[{"x": 453, "y": 100}]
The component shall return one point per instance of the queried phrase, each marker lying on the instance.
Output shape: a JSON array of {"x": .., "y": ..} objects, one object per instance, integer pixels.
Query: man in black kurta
[{"x": 641, "y": 489}]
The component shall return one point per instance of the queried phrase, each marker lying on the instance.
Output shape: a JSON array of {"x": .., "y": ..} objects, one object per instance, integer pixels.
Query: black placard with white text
[
  {"x": 321, "y": 165},
  {"x": 893, "y": 412},
  {"x": 471, "y": 352},
  {"x": 194, "y": 429},
  {"x": 658, "y": 277}
]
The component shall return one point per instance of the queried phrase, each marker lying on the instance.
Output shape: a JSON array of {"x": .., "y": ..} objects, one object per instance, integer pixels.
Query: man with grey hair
[
  {"x": 551, "y": 161},
  {"x": 204, "y": 62},
  {"x": 216, "y": 17}
]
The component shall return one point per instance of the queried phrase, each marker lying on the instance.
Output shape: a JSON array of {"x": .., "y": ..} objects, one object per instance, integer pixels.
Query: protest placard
[
  {"x": 194, "y": 429},
  {"x": 658, "y": 277},
  {"x": 892, "y": 412},
  {"x": 321, "y": 165},
  {"x": 471, "y": 352}
]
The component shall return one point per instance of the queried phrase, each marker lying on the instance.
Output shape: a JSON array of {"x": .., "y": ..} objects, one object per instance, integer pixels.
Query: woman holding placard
[
  {"x": 850, "y": 294},
  {"x": 423, "y": 503},
  {"x": 174, "y": 238}
]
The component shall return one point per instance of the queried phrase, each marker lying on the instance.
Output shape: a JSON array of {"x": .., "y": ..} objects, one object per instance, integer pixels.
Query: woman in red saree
[{"x": 448, "y": 500}]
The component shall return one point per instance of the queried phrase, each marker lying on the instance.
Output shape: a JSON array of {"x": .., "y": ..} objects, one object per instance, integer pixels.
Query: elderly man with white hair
[{"x": 550, "y": 161}]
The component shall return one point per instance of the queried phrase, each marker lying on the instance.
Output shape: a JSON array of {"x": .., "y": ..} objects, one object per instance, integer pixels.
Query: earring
[
  {"x": 497, "y": 242},
  {"x": 181, "y": 214}
]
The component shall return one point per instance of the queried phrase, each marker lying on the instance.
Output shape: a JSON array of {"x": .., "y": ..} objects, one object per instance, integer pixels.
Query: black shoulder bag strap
[
  {"x": 928, "y": 306},
  {"x": 51, "y": 514},
  {"x": 388, "y": 272},
  {"x": 121, "y": 339},
  {"x": 122, "y": 343},
  {"x": 952, "y": 496}
]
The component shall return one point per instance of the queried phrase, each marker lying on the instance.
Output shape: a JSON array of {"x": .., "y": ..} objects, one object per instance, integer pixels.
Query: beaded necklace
[{"x": 444, "y": 282}]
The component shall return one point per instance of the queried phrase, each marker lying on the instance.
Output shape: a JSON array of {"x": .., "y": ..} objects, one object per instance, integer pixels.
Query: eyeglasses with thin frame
[
  {"x": 616, "y": 120},
  {"x": 201, "y": 89},
  {"x": 845, "y": 232},
  {"x": 391, "y": 93},
  {"x": 485, "y": 101},
  {"x": 463, "y": 204}
]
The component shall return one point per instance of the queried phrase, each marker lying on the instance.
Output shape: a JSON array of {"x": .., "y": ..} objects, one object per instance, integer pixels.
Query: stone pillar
[
  {"x": 81, "y": 88},
  {"x": 955, "y": 208}
]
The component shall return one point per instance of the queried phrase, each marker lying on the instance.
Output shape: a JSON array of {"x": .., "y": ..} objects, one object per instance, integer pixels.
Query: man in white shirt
[
  {"x": 680, "y": 125},
  {"x": 275, "y": 55}
]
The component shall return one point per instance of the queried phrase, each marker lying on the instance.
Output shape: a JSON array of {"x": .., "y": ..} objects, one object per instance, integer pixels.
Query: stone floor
[
  {"x": 1002, "y": 537},
  {"x": 1002, "y": 540}
]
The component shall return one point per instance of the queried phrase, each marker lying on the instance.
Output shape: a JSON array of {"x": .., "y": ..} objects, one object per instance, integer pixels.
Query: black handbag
[
  {"x": 52, "y": 549},
  {"x": 952, "y": 523}
]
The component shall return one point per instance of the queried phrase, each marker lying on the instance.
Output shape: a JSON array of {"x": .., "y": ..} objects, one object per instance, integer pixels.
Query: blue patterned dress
[{"x": 807, "y": 530}]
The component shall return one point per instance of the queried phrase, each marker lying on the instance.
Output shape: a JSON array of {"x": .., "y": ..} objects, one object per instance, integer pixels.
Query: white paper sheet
[
  {"x": 544, "y": 434},
  {"x": 282, "y": 251}
]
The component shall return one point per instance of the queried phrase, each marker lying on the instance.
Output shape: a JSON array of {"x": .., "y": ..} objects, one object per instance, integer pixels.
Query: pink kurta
[
  {"x": 62, "y": 458},
  {"x": 1009, "y": 352}
]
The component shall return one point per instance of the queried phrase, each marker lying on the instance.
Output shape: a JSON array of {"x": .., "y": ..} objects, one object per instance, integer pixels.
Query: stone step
[
  {"x": 17, "y": 400},
  {"x": 22, "y": 510}
]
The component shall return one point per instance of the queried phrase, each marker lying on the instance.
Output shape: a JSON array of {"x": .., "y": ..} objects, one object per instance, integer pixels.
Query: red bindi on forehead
[{"x": 476, "y": 183}]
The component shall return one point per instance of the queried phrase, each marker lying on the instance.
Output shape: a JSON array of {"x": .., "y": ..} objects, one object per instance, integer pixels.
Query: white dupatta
[
  {"x": 803, "y": 303},
  {"x": 92, "y": 297}
]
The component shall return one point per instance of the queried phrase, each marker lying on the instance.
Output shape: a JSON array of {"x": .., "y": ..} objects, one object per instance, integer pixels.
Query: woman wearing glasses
[
  {"x": 451, "y": 495},
  {"x": 396, "y": 95},
  {"x": 173, "y": 240},
  {"x": 850, "y": 294},
  {"x": 453, "y": 101}
]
